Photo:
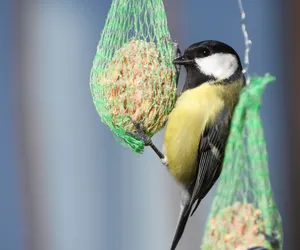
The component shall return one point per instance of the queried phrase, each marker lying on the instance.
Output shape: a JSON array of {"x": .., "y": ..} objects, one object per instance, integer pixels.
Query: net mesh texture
[
  {"x": 244, "y": 206},
  {"x": 133, "y": 76}
]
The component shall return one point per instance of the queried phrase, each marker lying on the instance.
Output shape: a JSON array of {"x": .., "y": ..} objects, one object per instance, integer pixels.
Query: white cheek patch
[{"x": 220, "y": 66}]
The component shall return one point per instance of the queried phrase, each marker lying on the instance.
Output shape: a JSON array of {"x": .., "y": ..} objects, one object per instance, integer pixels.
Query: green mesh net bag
[
  {"x": 244, "y": 210},
  {"x": 133, "y": 76}
]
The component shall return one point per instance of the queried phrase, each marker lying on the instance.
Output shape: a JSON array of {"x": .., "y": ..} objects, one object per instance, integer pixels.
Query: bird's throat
[{"x": 194, "y": 78}]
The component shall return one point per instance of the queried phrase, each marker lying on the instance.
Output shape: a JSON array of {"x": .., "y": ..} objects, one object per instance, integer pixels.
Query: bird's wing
[{"x": 211, "y": 154}]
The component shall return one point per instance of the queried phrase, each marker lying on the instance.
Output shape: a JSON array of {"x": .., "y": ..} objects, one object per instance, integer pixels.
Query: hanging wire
[{"x": 248, "y": 42}]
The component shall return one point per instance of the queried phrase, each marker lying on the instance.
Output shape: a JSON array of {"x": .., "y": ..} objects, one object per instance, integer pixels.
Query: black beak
[{"x": 183, "y": 60}]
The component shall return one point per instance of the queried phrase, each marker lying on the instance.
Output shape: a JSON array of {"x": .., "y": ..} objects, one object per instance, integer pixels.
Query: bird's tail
[{"x": 183, "y": 218}]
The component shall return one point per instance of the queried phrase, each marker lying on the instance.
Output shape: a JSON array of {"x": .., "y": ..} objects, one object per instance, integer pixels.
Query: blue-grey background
[{"x": 65, "y": 183}]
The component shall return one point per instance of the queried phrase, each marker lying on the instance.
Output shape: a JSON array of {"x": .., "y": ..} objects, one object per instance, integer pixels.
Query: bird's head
[{"x": 210, "y": 61}]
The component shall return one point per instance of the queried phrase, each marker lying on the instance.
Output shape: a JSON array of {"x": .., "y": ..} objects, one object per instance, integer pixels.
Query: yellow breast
[{"x": 194, "y": 109}]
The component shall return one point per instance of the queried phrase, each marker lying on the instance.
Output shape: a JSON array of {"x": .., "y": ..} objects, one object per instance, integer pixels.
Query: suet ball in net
[{"x": 133, "y": 77}]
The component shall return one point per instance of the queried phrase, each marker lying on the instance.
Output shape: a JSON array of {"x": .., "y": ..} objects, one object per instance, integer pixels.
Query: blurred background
[{"x": 66, "y": 184}]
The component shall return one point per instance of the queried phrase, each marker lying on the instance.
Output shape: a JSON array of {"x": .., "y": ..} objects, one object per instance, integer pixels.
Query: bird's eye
[{"x": 204, "y": 53}]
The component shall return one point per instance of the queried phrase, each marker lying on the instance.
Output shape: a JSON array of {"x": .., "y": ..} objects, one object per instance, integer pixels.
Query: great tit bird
[{"x": 198, "y": 126}]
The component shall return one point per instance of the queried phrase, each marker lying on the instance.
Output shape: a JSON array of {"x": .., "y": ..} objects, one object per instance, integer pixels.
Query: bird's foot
[
  {"x": 140, "y": 133},
  {"x": 272, "y": 239}
]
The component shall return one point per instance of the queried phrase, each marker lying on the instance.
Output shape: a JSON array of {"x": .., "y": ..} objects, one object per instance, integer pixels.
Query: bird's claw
[
  {"x": 140, "y": 133},
  {"x": 272, "y": 239}
]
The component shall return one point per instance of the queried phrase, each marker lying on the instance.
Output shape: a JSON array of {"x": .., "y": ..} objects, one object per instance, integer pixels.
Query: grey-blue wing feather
[{"x": 210, "y": 154}]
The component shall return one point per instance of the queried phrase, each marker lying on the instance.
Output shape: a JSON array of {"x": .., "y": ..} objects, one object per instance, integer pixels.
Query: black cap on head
[
  {"x": 210, "y": 61},
  {"x": 204, "y": 49}
]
